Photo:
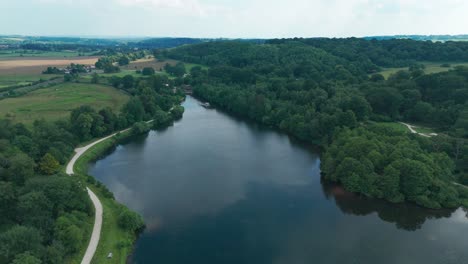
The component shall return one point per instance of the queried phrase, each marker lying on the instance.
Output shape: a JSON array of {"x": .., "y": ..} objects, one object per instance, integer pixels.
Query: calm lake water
[{"x": 215, "y": 189}]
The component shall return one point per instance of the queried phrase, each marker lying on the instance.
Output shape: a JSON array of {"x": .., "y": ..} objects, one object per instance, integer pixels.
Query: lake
[{"x": 217, "y": 189}]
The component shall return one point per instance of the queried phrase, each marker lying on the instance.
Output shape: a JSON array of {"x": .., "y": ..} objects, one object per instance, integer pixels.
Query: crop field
[
  {"x": 157, "y": 65},
  {"x": 57, "y": 101},
  {"x": 431, "y": 67},
  {"x": 32, "y": 66}
]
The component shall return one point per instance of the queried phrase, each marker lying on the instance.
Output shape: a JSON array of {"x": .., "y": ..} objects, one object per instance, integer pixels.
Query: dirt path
[{"x": 411, "y": 128}]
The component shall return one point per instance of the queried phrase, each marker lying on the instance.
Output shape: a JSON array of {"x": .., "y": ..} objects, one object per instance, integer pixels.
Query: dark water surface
[{"x": 214, "y": 189}]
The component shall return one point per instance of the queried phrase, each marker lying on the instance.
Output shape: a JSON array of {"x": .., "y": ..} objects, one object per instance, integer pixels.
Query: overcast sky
[{"x": 233, "y": 18}]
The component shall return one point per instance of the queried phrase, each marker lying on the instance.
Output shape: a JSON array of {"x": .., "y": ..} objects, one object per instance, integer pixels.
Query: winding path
[
  {"x": 96, "y": 234},
  {"x": 411, "y": 128}
]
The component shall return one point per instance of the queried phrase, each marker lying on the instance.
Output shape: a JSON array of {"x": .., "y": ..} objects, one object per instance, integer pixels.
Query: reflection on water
[
  {"x": 215, "y": 189},
  {"x": 405, "y": 216}
]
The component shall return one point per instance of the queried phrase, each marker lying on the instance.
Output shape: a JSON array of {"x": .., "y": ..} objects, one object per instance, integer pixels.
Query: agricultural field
[
  {"x": 57, "y": 101},
  {"x": 41, "y": 54},
  {"x": 431, "y": 67},
  {"x": 8, "y": 80},
  {"x": 31, "y": 65},
  {"x": 157, "y": 65},
  {"x": 26, "y": 70}
]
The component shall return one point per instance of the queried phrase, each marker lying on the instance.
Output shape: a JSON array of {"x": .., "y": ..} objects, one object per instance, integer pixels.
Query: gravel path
[
  {"x": 95, "y": 236},
  {"x": 411, "y": 128}
]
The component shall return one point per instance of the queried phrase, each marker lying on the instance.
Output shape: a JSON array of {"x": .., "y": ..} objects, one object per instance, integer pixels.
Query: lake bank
[{"x": 217, "y": 189}]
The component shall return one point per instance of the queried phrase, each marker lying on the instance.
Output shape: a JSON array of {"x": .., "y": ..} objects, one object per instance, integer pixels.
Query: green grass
[
  {"x": 402, "y": 128},
  {"x": 431, "y": 67},
  {"x": 422, "y": 129},
  {"x": 111, "y": 233},
  {"x": 34, "y": 53},
  {"x": 19, "y": 79},
  {"x": 189, "y": 66},
  {"x": 392, "y": 125},
  {"x": 117, "y": 74},
  {"x": 56, "y": 102}
]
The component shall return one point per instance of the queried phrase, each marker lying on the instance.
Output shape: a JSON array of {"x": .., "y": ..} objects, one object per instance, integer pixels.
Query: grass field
[
  {"x": 8, "y": 80},
  {"x": 431, "y": 67},
  {"x": 392, "y": 125},
  {"x": 147, "y": 62},
  {"x": 36, "y": 53},
  {"x": 122, "y": 73},
  {"x": 57, "y": 101}
]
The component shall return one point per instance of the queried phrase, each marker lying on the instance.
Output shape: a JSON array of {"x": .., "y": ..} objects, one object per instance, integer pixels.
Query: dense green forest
[
  {"x": 328, "y": 92},
  {"x": 45, "y": 213}
]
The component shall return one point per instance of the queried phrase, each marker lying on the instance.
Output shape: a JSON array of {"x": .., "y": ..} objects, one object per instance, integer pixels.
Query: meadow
[
  {"x": 36, "y": 53},
  {"x": 430, "y": 67},
  {"x": 8, "y": 80},
  {"x": 56, "y": 102}
]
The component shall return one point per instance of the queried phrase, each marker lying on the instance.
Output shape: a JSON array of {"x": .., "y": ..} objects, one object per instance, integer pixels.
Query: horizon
[{"x": 110, "y": 37}]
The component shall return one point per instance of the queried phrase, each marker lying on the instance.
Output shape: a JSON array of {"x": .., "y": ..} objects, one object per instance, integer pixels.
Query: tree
[
  {"x": 123, "y": 60},
  {"x": 128, "y": 81},
  {"x": 147, "y": 71},
  {"x": 21, "y": 168},
  {"x": 130, "y": 221},
  {"x": 7, "y": 201},
  {"x": 177, "y": 112},
  {"x": 19, "y": 239},
  {"x": 48, "y": 164},
  {"x": 95, "y": 78},
  {"x": 161, "y": 119},
  {"x": 140, "y": 128},
  {"x": 26, "y": 258}
]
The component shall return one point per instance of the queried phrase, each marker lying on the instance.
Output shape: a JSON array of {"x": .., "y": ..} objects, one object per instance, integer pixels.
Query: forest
[
  {"x": 45, "y": 213},
  {"x": 328, "y": 92}
]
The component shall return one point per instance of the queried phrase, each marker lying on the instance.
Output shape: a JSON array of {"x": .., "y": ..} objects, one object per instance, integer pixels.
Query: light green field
[
  {"x": 57, "y": 101},
  {"x": 35, "y": 53},
  {"x": 117, "y": 74},
  {"x": 19, "y": 79},
  {"x": 431, "y": 67},
  {"x": 392, "y": 125}
]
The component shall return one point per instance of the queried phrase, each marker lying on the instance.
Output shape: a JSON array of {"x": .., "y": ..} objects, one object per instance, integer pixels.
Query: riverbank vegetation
[{"x": 327, "y": 91}]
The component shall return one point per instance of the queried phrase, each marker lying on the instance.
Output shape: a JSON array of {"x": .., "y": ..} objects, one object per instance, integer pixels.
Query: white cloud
[{"x": 246, "y": 18}]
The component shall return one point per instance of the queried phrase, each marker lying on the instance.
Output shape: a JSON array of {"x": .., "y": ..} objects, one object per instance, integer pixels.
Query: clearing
[
  {"x": 431, "y": 67},
  {"x": 56, "y": 102}
]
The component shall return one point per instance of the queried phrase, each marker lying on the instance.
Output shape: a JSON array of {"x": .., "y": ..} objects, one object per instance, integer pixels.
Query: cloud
[{"x": 190, "y": 7}]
